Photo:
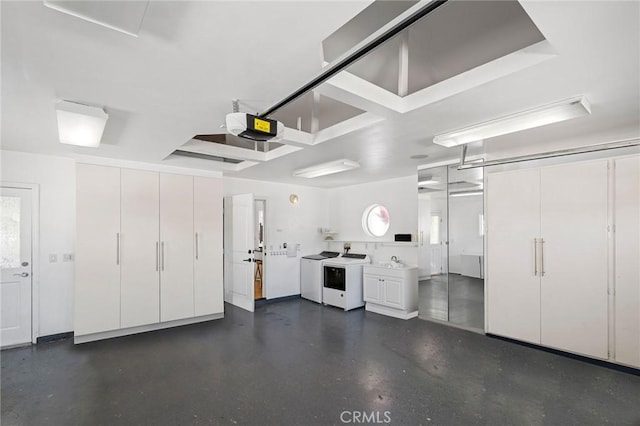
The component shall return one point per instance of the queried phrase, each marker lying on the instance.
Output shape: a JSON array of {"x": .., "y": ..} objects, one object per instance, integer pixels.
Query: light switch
[
  {"x": 67, "y": 257},
  {"x": 53, "y": 258}
]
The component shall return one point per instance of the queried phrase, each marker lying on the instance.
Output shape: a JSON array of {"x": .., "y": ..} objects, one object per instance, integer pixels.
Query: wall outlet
[
  {"x": 67, "y": 257},
  {"x": 53, "y": 258}
]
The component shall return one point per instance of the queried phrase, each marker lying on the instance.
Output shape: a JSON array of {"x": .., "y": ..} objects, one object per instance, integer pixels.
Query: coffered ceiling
[{"x": 468, "y": 62}]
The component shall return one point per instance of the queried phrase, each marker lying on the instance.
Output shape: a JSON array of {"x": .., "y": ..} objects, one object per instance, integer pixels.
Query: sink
[{"x": 390, "y": 264}]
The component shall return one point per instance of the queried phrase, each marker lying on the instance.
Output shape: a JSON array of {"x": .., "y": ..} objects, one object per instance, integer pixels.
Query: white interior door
[
  {"x": 574, "y": 301},
  {"x": 15, "y": 287},
  {"x": 513, "y": 280},
  {"x": 239, "y": 237},
  {"x": 140, "y": 277}
]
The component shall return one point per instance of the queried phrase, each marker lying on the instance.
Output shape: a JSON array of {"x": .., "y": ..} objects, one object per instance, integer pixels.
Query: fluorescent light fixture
[
  {"x": 80, "y": 124},
  {"x": 428, "y": 181},
  {"x": 327, "y": 168},
  {"x": 537, "y": 117},
  {"x": 466, "y": 193}
]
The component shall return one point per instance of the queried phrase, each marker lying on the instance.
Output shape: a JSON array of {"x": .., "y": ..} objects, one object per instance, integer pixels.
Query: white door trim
[{"x": 35, "y": 252}]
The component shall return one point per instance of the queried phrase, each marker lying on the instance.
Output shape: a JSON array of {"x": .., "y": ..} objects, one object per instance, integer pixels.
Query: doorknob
[
  {"x": 25, "y": 263},
  {"x": 23, "y": 275}
]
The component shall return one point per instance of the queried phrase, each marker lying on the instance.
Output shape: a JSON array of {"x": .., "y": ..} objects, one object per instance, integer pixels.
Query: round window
[{"x": 375, "y": 220}]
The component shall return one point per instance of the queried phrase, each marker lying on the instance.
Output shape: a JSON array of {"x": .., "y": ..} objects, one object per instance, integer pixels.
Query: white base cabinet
[
  {"x": 550, "y": 232},
  {"x": 149, "y": 251},
  {"x": 391, "y": 291}
]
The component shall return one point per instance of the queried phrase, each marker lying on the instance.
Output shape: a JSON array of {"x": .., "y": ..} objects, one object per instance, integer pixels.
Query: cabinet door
[
  {"x": 371, "y": 289},
  {"x": 176, "y": 247},
  {"x": 393, "y": 292},
  {"x": 207, "y": 215},
  {"x": 513, "y": 282},
  {"x": 574, "y": 306},
  {"x": 97, "y": 287},
  {"x": 627, "y": 253},
  {"x": 140, "y": 280}
]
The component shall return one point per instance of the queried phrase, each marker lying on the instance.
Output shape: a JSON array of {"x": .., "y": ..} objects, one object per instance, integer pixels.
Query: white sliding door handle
[
  {"x": 157, "y": 255},
  {"x": 117, "y": 248}
]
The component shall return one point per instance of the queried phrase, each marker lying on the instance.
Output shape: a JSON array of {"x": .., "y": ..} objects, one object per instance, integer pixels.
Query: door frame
[
  {"x": 264, "y": 236},
  {"x": 35, "y": 252}
]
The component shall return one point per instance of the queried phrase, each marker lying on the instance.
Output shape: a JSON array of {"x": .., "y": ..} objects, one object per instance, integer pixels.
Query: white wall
[
  {"x": 399, "y": 196},
  {"x": 57, "y": 181},
  {"x": 286, "y": 223}
]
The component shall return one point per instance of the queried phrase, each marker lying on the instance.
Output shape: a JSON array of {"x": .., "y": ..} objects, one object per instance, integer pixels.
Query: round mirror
[{"x": 375, "y": 220}]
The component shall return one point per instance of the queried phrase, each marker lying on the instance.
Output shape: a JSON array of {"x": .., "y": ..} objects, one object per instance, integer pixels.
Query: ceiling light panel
[
  {"x": 329, "y": 168},
  {"x": 79, "y": 124},
  {"x": 537, "y": 117},
  {"x": 123, "y": 16}
]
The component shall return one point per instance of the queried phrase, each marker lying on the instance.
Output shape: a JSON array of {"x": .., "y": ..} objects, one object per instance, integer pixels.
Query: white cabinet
[
  {"x": 207, "y": 218},
  {"x": 149, "y": 251},
  {"x": 391, "y": 291},
  {"x": 177, "y": 240},
  {"x": 139, "y": 285},
  {"x": 627, "y": 255},
  {"x": 97, "y": 300},
  {"x": 548, "y": 257}
]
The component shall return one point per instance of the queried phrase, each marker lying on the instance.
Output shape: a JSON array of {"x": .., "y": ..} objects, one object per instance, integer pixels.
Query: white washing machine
[
  {"x": 311, "y": 274},
  {"x": 342, "y": 285}
]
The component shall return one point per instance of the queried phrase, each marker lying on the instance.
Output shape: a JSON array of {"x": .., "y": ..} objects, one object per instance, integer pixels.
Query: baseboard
[
  {"x": 143, "y": 329},
  {"x": 390, "y": 312},
  {"x": 54, "y": 337},
  {"x": 600, "y": 362}
]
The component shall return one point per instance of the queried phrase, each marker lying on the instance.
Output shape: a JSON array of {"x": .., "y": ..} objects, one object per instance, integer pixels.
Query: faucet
[{"x": 395, "y": 259}]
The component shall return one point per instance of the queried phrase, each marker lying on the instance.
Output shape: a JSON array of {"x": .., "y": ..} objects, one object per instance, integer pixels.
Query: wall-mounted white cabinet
[
  {"x": 158, "y": 239},
  {"x": 391, "y": 291},
  {"x": 548, "y": 247}
]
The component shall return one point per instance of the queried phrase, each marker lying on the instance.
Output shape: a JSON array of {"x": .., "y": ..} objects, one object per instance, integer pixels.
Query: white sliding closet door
[
  {"x": 97, "y": 304},
  {"x": 207, "y": 215},
  {"x": 627, "y": 261},
  {"x": 574, "y": 307},
  {"x": 513, "y": 224},
  {"x": 176, "y": 247},
  {"x": 140, "y": 298}
]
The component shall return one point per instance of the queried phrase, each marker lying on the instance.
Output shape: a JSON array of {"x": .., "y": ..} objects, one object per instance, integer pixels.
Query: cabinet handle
[
  {"x": 196, "y": 246},
  {"x": 157, "y": 255},
  {"x": 162, "y": 253},
  {"x": 535, "y": 257},
  {"x": 542, "y": 257},
  {"x": 117, "y": 248}
]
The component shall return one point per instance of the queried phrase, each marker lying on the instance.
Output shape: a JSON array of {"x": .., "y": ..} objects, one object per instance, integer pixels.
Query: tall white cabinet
[
  {"x": 549, "y": 239},
  {"x": 149, "y": 251}
]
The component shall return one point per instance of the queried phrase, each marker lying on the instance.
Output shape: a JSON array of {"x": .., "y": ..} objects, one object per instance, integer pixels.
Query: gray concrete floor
[
  {"x": 454, "y": 298},
  {"x": 299, "y": 363}
]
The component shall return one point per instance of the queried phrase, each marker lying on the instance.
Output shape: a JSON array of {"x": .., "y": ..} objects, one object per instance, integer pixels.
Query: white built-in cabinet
[
  {"x": 627, "y": 261},
  {"x": 549, "y": 240},
  {"x": 149, "y": 250},
  {"x": 391, "y": 291}
]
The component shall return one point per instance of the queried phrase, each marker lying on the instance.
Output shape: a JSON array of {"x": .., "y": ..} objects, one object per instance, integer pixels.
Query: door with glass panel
[{"x": 15, "y": 287}]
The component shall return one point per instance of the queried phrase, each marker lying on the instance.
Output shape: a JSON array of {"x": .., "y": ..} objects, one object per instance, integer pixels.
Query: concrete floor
[
  {"x": 299, "y": 363},
  {"x": 460, "y": 300}
]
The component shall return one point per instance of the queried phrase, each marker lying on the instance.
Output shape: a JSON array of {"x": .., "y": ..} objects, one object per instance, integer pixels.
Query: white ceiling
[{"x": 190, "y": 59}]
